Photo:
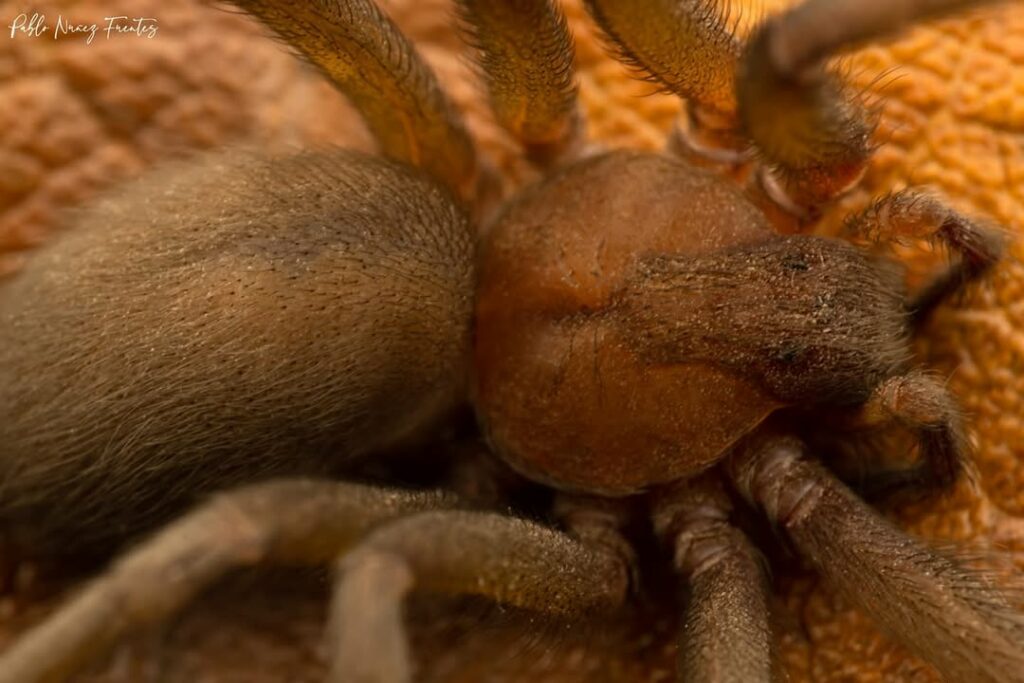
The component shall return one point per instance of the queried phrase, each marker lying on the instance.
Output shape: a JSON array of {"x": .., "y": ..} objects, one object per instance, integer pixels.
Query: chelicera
[{"x": 645, "y": 342}]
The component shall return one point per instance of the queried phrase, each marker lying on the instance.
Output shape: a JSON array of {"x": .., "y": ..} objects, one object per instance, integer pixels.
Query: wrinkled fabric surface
[{"x": 76, "y": 117}]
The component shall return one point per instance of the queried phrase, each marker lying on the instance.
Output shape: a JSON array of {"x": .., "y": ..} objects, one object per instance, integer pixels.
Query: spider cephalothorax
[
  {"x": 673, "y": 284},
  {"x": 644, "y": 342}
]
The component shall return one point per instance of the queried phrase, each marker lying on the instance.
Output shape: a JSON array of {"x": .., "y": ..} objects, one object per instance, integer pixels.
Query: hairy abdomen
[{"x": 226, "y": 321}]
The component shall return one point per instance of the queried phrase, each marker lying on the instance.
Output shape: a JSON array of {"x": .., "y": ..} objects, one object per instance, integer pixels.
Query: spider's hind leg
[
  {"x": 287, "y": 521},
  {"x": 510, "y": 560}
]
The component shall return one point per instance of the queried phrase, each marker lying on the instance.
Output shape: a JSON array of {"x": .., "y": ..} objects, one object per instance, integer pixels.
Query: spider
[{"x": 636, "y": 333}]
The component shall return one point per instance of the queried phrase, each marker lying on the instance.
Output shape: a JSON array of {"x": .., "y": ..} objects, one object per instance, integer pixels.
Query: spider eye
[
  {"x": 789, "y": 352},
  {"x": 797, "y": 263}
]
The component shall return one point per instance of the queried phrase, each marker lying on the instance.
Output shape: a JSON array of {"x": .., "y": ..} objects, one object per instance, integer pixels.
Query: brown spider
[{"x": 644, "y": 343}]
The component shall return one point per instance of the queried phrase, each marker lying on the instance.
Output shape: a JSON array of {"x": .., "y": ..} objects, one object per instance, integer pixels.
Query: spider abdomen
[{"x": 249, "y": 317}]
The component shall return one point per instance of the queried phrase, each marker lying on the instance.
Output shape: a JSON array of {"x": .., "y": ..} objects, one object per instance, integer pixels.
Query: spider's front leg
[
  {"x": 526, "y": 55},
  {"x": 690, "y": 48},
  {"x": 952, "y": 618},
  {"x": 812, "y": 132},
  {"x": 774, "y": 94}
]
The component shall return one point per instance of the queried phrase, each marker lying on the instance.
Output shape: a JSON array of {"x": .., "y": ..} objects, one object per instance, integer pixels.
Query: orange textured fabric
[{"x": 76, "y": 117}]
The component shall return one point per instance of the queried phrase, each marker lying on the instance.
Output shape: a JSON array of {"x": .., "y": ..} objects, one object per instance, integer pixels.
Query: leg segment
[
  {"x": 726, "y": 636},
  {"x": 376, "y": 67},
  {"x": 293, "y": 521},
  {"x": 688, "y": 47},
  {"x": 510, "y": 560},
  {"x": 947, "y": 615},
  {"x": 819, "y": 29},
  {"x": 920, "y": 403},
  {"x": 814, "y": 134},
  {"x": 527, "y": 58},
  {"x": 917, "y": 215}
]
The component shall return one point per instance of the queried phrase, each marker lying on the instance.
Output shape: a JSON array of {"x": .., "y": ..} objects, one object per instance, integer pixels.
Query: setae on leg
[
  {"x": 512, "y": 561},
  {"x": 918, "y": 215},
  {"x": 920, "y": 403},
  {"x": 375, "y": 66},
  {"x": 725, "y": 636},
  {"x": 285, "y": 521},
  {"x": 689, "y": 48},
  {"x": 951, "y": 617},
  {"x": 812, "y": 132},
  {"x": 526, "y": 55}
]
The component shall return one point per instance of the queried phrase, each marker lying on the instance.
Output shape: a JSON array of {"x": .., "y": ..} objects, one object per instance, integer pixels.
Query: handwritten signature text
[{"x": 36, "y": 26}]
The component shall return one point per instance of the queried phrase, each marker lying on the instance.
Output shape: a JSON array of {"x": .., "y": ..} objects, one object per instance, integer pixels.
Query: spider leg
[
  {"x": 285, "y": 521},
  {"x": 951, "y": 617},
  {"x": 689, "y": 48},
  {"x": 527, "y": 60},
  {"x": 921, "y": 403},
  {"x": 510, "y": 560},
  {"x": 369, "y": 59},
  {"x": 812, "y": 132},
  {"x": 725, "y": 635},
  {"x": 919, "y": 215}
]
